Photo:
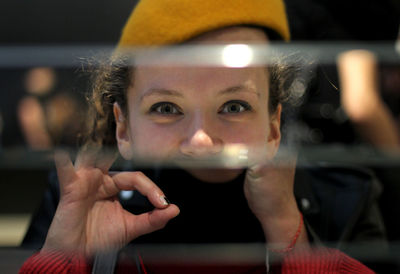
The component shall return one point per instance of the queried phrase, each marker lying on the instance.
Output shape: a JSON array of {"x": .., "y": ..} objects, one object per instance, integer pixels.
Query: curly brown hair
[{"x": 112, "y": 79}]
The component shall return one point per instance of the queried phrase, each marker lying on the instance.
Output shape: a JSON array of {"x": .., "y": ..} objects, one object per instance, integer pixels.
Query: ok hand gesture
[{"x": 89, "y": 217}]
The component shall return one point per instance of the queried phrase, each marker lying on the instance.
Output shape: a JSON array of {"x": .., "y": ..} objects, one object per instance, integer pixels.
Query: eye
[
  {"x": 165, "y": 108},
  {"x": 235, "y": 106}
]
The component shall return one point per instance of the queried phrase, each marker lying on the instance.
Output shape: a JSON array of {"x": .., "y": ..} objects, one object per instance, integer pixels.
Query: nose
[{"x": 200, "y": 144}]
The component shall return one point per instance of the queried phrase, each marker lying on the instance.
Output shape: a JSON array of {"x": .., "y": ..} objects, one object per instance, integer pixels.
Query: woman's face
[{"x": 197, "y": 111}]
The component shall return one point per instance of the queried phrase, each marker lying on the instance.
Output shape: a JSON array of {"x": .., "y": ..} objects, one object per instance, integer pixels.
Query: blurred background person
[
  {"x": 325, "y": 121},
  {"x": 48, "y": 116},
  {"x": 326, "y": 117},
  {"x": 362, "y": 101}
]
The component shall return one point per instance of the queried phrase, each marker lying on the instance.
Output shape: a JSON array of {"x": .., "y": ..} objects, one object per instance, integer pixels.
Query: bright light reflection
[
  {"x": 126, "y": 194},
  {"x": 237, "y": 56}
]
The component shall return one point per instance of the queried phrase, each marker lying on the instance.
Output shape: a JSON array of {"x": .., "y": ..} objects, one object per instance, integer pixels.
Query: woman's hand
[
  {"x": 269, "y": 192},
  {"x": 89, "y": 217}
]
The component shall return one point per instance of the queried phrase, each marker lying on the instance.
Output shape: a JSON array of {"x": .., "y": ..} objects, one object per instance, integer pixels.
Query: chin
[{"x": 209, "y": 175}]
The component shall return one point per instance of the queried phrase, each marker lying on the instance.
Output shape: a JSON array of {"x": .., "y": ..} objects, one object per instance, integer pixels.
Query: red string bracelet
[
  {"x": 293, "y": 242},
  {"x": 142, "y": 268}
]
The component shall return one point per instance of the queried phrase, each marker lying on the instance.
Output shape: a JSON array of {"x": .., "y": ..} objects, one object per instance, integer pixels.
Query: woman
[{"x": 189, "y": 113}]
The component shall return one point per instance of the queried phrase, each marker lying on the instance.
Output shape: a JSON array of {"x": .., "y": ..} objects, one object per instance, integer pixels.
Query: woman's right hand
[{"x": 89, "y": 217}]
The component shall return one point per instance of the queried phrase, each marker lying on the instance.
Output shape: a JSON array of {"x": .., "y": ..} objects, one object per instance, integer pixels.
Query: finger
[
  {"x": 105, "y": 160},
  {"x": 87, "y": 157},
  {"x": 255, "y": 171},
  {"x": 139, "y": 181},
  {"x": 280, "y": 166},
  {"x": 65, "y": 169},
  {"x": 148, "y": 222}
]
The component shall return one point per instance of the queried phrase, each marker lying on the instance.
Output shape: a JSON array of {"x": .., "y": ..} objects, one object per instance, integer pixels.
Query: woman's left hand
[{"x": 269, "y": 192}]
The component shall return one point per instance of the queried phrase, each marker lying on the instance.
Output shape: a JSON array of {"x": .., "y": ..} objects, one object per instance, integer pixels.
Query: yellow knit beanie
[{"x": 163, "y": 22}]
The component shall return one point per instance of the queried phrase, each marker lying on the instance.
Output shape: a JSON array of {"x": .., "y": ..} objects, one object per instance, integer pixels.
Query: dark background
[
  {"x": 71, "y": 22},
  {"x": 100, "y": 21}
]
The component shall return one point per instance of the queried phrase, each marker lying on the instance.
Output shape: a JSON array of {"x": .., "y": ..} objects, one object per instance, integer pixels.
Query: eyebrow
[
  {"x": 160, "y": 91},
  {"x": 239, "y": 89},
  {"x": 230, "y": 90}
]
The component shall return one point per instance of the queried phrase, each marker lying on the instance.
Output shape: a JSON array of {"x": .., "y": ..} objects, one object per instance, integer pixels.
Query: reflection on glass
[
  {"x": 209, "y": 140},
  {"x": 237, "y": 56}
]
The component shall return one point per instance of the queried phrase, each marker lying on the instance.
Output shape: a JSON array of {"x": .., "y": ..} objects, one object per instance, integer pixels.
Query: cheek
[
  {"x": 154, "y": 140},
  {"x": 253, "y": 132}
]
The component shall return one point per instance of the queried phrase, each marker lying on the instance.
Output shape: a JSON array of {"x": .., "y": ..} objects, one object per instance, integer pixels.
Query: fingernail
[{"x": 164, "y": 200}]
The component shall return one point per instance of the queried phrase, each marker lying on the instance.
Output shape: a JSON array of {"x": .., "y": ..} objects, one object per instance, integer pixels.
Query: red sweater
[{"x": 321, "y": 261}]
